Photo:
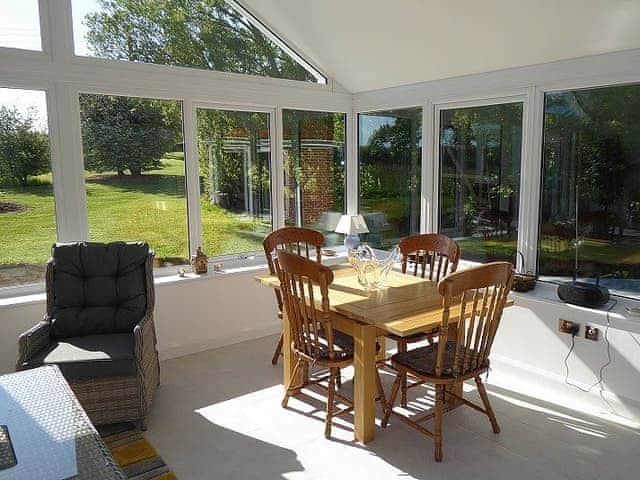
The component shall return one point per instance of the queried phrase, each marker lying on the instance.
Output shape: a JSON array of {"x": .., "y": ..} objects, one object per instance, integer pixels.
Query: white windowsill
[
  {"x": 238, "y": 264},
  {"x": 255, "y": 263}
]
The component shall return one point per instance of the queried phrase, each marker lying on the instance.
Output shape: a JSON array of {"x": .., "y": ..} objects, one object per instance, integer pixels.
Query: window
[
  {"x": 590, "y": 201},
  {"x": 314, "y": 180},
  {"x": 234, "y": 152},
  {"x": 480, "y": 150},
  {"x": 20, "y": 24},
  {"x": 211, "y": 35},
  {"x": 389, "y": 156},
  {"x": 135, "y": 173},
  {"x": 27, "y": 212}
]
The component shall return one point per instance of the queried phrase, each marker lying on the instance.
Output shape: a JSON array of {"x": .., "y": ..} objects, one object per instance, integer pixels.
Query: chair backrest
[
  {"x": 476, "y": 297},
  {"x": 292, "y": 239},
  {"x": 439, "y": 252},
  {"x": 304, "y": 286},
  {"x": 96, "y": 288}
]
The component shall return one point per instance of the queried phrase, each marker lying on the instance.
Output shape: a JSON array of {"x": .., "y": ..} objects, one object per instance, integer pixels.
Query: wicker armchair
[{"x": 99, "y": 328}]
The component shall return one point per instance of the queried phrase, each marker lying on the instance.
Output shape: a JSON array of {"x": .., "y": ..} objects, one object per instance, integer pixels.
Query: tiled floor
[{"x": 217, "y": 415}]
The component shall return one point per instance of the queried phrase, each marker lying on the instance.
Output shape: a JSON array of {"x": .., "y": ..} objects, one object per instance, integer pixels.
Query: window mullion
[
  {"x": 530, "y": 179},
  {"x": 429, "y": 187},
  {"x": 192, "y": 175},
  {"x": 352, "y": 164},
  {"x": 67, "y": 163},
  {"x": 56, "y": 27},
  {"x": 277, "y": 169}
]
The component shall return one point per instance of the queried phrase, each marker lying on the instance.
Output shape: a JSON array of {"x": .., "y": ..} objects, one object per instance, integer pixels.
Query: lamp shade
[{"x": 352, "y": 225}]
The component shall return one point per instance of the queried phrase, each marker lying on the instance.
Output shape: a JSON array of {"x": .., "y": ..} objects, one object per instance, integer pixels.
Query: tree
[
  {"x": 23, "y": 150},
  {"x": 121, "y": 133},
  {"x": 206, "y": 34}
]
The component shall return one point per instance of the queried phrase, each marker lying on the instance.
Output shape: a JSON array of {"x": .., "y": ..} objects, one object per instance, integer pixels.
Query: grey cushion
[
  {"x": 92, "y": 356},
  {"x": 423, "y": 360},
  {"x": 98, "y": 288},
  {"x": 343, "y": 345}
]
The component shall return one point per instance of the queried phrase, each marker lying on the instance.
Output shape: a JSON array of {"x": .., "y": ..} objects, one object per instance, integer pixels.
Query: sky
[{"x": 20, "y": 28}]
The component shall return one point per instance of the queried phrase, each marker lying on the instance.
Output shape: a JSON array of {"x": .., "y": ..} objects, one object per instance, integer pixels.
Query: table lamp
[{"x": 351, "y": 226}]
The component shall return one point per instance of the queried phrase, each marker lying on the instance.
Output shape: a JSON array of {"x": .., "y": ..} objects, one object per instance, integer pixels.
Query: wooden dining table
[{"x": 406, "y": 305}]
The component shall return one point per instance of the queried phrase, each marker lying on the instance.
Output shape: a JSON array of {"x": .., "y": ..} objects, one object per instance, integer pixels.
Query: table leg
[
  {"x": 289, "y": 361},
  {"x": 381, "y": 356},
  {"x": 455, "y": 388},
  {"x": 364, "y": 394}
]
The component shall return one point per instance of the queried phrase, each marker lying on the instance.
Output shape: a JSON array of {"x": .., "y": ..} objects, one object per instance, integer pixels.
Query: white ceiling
[{"x": 370, "y": 44}]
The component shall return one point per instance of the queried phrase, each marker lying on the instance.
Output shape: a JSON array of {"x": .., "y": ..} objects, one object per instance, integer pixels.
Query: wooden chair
[
  {"x": 475, "y": 299},
  {"x": 302, "y": 241},
  {"x": 304, "y": 287},
  {"x": 441, "y": 255}
]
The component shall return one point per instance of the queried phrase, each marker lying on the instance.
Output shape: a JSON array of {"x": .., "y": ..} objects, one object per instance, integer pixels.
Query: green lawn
[{"x": 150, "y": 208}]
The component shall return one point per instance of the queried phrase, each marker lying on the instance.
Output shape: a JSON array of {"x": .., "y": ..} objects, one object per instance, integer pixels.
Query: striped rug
[{"x": 137, "y": 457}]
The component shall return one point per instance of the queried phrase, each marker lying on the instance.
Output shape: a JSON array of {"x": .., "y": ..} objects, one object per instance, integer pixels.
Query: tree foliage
[
  {"x": 23, "y": 150},
  {"x": 121, "y": 133},
  {"x": 390, "y": 160},
  {"x": 206, "y": 34}
]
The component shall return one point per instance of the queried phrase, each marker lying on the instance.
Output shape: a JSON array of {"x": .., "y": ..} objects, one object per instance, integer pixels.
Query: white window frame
[
  {"x": 525, "y": 182},
  {"x": 425, "y": 181},
  {"x": 540, "y": 92},
  {"x": 193, "y": 175}
]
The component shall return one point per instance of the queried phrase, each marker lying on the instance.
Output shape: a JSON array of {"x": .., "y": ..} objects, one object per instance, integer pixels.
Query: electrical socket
[
  {"x": 591, "y": 333},
  {"x": 567, "y": 326}
]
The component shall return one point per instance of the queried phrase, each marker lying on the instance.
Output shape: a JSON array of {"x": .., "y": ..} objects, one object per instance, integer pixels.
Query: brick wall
[{"x": 317, "y": 173}]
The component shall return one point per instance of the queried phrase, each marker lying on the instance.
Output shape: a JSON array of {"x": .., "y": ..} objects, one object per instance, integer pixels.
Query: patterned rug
[{"x": 137, "y": 457}]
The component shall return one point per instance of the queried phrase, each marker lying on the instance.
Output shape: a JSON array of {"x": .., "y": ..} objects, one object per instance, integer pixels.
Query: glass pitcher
[{"x": 372, "y": 272}]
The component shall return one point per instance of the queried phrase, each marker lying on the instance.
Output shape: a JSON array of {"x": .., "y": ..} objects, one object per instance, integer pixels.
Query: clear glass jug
[{"x": 372, "y": 272}]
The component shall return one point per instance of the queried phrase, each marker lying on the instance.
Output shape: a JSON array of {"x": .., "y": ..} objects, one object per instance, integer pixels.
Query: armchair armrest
[
  {"x": 33, "y": 341},
  {"x": 147, "y": 364}
]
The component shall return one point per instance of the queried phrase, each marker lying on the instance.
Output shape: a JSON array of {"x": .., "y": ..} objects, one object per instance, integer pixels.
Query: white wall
[
  {"x": 529, "y": 349},
  {"x": 194, "y": 315}
]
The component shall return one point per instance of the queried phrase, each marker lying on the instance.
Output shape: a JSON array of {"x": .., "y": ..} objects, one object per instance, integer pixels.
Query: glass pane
[
  {"x": 205, "y": 34},
  {"x": 27, "y": 213},
  {"x": 234, "y": 150},
  {"x": 590, "y": 215},
  {"x": 314, "y": 171},
  {"x": 480, "y": 151},
  {"x": 20, "y": 24},
  {"x": 135, "y": 174},
  {"x": 389, "y": 156}
]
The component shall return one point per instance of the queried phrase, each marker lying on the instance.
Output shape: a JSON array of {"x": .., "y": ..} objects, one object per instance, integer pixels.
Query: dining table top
[{"x": 406, "y": 305}]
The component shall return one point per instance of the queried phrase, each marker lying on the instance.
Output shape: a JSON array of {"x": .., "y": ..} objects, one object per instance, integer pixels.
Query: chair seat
[
  {"x": 90, "y": 356},
  {"x": 423, "y": 360},
  {"x": 342, "y": 345},
  {"x": 416, "y": 337}
]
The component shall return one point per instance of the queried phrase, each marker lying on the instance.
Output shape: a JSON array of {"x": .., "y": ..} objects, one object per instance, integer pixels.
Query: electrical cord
[{"x": 602, "y": 368}]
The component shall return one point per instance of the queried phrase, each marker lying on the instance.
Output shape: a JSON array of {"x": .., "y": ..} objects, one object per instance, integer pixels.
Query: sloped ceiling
[{"x": 371, "y": 44}]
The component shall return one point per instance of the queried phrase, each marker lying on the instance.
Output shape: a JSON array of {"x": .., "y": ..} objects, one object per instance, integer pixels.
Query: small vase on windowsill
[{"x": 199, "y": 262}]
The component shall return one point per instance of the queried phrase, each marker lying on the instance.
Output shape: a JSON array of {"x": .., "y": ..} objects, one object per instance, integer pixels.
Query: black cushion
[
  {"x": 91, "y": 356},
  {"x": 343, "y": 347},
  {"x": 423, "y": 359},
  {"x": 99, "y": 288}
]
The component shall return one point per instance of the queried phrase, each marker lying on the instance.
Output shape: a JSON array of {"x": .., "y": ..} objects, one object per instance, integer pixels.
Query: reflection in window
[
  {"x": 234, "y": 151},
  {"x": 205, "y": 34},
  {"x": 27, "y": 213},
  {"x": 20, "y": 24},
  {"x": 590, "y": 205},
  {"x": 135, "y": 171},
  {"x": 389, "y": 156},
  {"x": 314, "y": 144},
  {"x": 480, "y": 151}
]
